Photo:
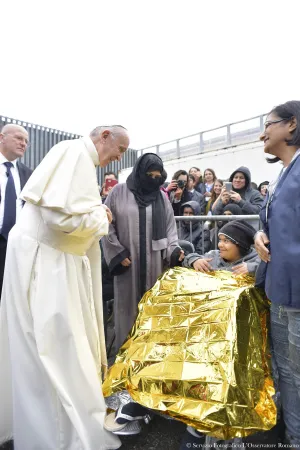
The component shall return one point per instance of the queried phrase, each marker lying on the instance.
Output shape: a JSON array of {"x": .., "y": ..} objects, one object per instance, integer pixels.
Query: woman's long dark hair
[
  {"x": 213, "y": 194},
  {"x": 287, "y": 111}
]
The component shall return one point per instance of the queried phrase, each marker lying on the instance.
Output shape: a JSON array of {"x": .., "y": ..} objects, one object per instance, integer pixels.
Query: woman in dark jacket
[
  {"x": 278, "y": 245},
  {"x": 242, "y": 194},
  {"x": 178, "y": 191}
]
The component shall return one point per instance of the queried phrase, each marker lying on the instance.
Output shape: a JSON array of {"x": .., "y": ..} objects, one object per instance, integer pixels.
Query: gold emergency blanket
[{"x": 199, "y": 352}]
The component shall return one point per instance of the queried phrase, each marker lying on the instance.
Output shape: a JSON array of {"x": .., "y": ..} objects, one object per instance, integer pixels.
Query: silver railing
[
  {"x": 208, "y": 224},
  {"x": 233, "y": 134}
]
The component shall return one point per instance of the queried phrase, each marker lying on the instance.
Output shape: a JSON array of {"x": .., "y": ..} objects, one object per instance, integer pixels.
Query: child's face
[
  {"x": 228, "y": 250},
  {"x": 188, "y": 211}
]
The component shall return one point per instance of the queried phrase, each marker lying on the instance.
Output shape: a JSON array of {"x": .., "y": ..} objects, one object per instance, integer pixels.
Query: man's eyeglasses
[
  {"x": 20, "y": 139},
  {"x": 270, "y": 122}
]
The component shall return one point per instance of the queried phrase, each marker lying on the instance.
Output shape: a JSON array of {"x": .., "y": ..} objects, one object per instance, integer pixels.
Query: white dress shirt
[{"x": 3, "y": 181}]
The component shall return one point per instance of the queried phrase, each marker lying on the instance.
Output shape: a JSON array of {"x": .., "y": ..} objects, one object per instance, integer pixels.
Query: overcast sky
[{"x": 163, "y": 69}]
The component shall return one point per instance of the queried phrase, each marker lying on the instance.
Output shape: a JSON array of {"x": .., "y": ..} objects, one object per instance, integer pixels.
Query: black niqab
[{"x": 146, "y": 191}]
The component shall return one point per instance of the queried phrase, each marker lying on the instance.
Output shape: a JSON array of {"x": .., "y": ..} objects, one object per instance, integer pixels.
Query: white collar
[
  {"x": 3, "y": 160},
  {"x": 92, "y": 151}
]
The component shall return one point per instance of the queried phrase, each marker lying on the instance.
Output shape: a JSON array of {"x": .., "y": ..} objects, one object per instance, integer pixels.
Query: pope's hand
[{"x": 108, "y": 213}]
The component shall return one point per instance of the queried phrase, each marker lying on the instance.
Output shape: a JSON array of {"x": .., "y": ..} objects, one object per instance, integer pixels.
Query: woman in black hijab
[{"x": 142, "y": 238}]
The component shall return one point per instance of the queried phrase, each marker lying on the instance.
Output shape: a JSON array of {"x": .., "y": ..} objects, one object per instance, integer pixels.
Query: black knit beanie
[{"x": 239, "y": 232}]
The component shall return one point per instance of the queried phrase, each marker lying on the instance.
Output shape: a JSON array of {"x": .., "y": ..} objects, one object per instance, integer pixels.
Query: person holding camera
[
  {"x": 110, "y": 180},
  {"x": 239, "y": 191},
  {"x": 178, "y": 192}
]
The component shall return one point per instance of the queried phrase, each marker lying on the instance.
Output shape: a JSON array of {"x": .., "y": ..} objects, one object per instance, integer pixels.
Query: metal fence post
[
  {"x": 228, "y": 135},
  {"x": 177, "y": 149},
  {"x": 201, "y": 143},
  {"x": 261, "y": 123}
]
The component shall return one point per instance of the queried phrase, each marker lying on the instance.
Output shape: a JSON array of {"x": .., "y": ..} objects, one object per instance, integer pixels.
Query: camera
[{"x": 180, "y": 184}]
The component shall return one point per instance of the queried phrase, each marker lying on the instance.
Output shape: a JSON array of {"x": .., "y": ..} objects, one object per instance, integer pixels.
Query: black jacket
[
  {"x": 194, "y": 235},
  {"x": 186, "y": 196},
  {"x": 24, "y": 173}
]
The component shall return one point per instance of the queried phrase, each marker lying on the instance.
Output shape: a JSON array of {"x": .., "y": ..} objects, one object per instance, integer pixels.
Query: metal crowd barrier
[{"x": 208, "y": 223}]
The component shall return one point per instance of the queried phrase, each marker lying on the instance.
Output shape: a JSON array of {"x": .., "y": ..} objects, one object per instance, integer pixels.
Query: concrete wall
[{"x": 224, "y": 162}]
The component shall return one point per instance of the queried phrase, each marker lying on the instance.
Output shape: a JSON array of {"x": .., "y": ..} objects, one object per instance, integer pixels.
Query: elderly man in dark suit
[{"x": 13, "y": 177}]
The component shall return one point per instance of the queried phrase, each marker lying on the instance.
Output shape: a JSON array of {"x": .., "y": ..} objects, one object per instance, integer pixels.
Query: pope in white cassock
[{"x": 52, "y": 348}]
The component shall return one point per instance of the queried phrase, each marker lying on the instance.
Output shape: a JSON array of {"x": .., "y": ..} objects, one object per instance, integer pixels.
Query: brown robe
[{"x": 122, "y": 242}]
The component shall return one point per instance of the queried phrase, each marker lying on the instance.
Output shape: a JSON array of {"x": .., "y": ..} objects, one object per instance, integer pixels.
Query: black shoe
[
  {"x": 191, "y": 441},
  {"x": 130, "y": 412}
]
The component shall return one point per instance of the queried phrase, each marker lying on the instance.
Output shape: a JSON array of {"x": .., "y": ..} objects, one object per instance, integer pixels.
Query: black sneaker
[{"x": 130, "y": 412}]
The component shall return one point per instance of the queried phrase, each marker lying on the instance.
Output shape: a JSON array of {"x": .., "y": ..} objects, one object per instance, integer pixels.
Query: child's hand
[
  {"x": 202, "y": 265},
  {"x": 240, "y": 269}
]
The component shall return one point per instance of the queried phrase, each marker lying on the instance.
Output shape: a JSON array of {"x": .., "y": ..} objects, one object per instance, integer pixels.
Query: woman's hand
[
  {"x": 202, "y": 265},
  {"x": 235, "y": 197},
  {"x": 126, "y": 262},
  {"x": 261, "y": 241},
  {"x": 240, "y": 269},
  {"x": 172, "y": 186},
  {"x": 224, "y": 196}
]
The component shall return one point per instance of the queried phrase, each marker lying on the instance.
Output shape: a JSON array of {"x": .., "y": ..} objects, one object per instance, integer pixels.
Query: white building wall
[{"x": 224, "y": 162}]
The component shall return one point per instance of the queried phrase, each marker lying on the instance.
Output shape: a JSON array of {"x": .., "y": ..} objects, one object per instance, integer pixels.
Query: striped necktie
[{"x": 9, "y": 218}]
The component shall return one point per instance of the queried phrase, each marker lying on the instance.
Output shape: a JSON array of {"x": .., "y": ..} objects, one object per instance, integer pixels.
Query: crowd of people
[
  {"x": 192, "y": 194},
  {"x": 52, "y": 340}
]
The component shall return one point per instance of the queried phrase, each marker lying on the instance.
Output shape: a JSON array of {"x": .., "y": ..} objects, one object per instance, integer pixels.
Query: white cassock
[{"x": 52, "y": 347}]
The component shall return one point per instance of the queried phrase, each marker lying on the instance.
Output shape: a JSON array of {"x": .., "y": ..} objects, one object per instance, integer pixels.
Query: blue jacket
[{"x": 283, "y": 229}]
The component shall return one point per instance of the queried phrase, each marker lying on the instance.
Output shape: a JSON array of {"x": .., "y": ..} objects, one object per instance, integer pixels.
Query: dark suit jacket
[{"x": 24, "y": 174}]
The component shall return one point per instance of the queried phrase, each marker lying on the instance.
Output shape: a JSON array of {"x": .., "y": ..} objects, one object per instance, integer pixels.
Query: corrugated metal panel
[{"x": 42, "y": 139}]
